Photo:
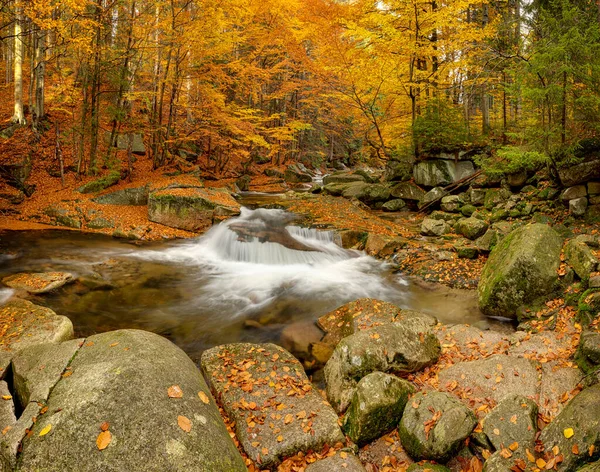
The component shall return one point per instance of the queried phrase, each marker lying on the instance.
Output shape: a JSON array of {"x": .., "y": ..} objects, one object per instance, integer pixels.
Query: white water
[
  {"x": 245, "y": 276},
  {"x": 5, "y": 295}
]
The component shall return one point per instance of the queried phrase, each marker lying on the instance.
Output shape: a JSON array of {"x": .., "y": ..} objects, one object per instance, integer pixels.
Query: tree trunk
[
  {"x": 40, "y": 74},
  {"x": 563, "y": 120},
  {"x": 19, "y": 115}
]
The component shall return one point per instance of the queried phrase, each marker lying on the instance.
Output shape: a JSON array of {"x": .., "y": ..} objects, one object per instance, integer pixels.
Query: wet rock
[
  {"x": 408, "y": 191},
  {"x": 192, "y": 209},
  {"x": 582, "y": 416},
  {"x": 243, "y": 183},
  {"x": 394, "y": 205},
  {"x": 396, "y": 347},
  {"x": 342, "y": 178},
  {"x": 122, "y": 378},
  {"x": 471, "y": 228},
  {"x": 513, "y": 420},
  {"x": 294, "y": 175},
  {"x": 580, "y": 258},
  {"x": 578, "y": 206},
  {"x": 39, "y": 282},
  {"x": 495, "y": 377},
  {"x": 340, "y": 462},
  {"x": 297, "y": 337},
  {"x": 435, "y": 435},
  {"x": 383, "y": 246},
  {"x": 376, "y": 407},
  {"x": 351, "y": 238},
  {"x": 112, "y": 178},
  {"x": 431, "y": 227},
  {"x": 522, "y": 267},
  {"x": 129, "y": 196},
  {"x": 255, "y": 381}
]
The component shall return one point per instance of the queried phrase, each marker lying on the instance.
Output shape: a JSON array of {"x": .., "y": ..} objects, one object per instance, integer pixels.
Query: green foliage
[
  {"x": 510, "y": 160},
  {"x": 441, "y": 128}
]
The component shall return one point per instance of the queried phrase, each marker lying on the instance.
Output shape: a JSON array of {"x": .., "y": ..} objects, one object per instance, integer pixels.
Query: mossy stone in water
[{"x": 376, "y": 407}]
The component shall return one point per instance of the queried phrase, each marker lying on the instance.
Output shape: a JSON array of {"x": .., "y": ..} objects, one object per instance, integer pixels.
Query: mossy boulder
[
  {"x": 408, "y": 191},
  {"x": 471, "y": 228},
  {"x": 427, "y": 467},
  {"x": 434, "y": 426},
  {"x": 137, "y": 196},
  {"x": 580, "y": 258},
  {"x": 431, "y": 227},
  {"x": 394, "y": 205},
  {"x": 514, "y": 419},
  {"x": 342, "y": 178},
  {"x": 521, "y": 268},
  {"x": 97, "y": 185},
  {"x": 342, "y": 461},
  {"x": 376, "y": 407}
]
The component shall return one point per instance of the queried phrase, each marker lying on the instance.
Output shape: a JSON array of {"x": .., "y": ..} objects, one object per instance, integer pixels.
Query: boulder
[
  {"x": 264, "y": 389},
  {"x": 431, "y": 196},
  {"x": 63, "y": 216},
  {"x": 376, "y": 407},
  {"x": 243, "y": 182},
  {"x": 397, "y": 171},
  {"x": 383, "y": 246},
  {"x": 471, "y": 228},
  {"x": 427, "y": 467},
  {"x": 100, "y": 223},
  {"x": 351, "y": 238},
  {"x": 580, "y": 258},
  {"x": 112, "y": 178},
  {"x": 494, "y": 197},
  {"x": 451, "y": 203},
  {"x": 408, "y": 191},
  {"x": 436, "y": 172},
  {"x": 371, "y": 193},
  {"x": 394, "y": 205},
  {"x": 466, "y": 252},
  {"x": 137, "y": 196},
  {"x": 431, "y": 227},
  {"x": 513, "y": 420},
  {"x": 7, "y": 409},
  {"x": 340, "y": 462},
  {"x": 122, "y": 379},
  {"x": 487, "y": 242},
  {"x": 577, "y": 424},
  {"x": 396, "y": 347},
  {"x": 38, "y": 282},
  {"x": 294, "y": 175},
  {"x": 468, "y": 210},
  {"x": 593, "y": 188},
  {"x": 578, "y": 206},
  {"x": 342, "y": 178},
  {"x": 192, "y": 209},
  {"x": 123, "y": 140},
  {"x": 434, "y": 426},
  {"x": 517, "y": 179},
  {"x": 521, "y": 268},
  {"x": 580, "y": 173},
  {"x": 494, "y": 377},
  {"x": 589, "y": 346},
  {"x": 571, "y": 193},
  {"x": 477, "y": 196}
]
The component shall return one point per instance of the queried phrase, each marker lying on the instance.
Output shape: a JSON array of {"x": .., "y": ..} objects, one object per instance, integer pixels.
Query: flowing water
[{"x": 244, "y": 280}]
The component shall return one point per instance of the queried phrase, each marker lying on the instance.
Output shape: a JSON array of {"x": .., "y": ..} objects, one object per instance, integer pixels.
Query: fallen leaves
[
  {"x": 103, "y": 440},
  {"x": 46, "y": 429},
  {"x": 6, "y": 397},
  {"x": 568, "y": 433},
  {"x": 174, "y": 391},
  {"x": 184, "y": 423},
  {"x": 204, "y": 397}
]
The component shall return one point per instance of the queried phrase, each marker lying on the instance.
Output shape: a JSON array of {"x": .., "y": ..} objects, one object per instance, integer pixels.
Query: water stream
[{"x": 244, "y": 280}]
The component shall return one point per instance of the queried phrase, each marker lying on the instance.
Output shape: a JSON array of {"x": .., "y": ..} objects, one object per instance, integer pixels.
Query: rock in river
[
  {"x": 40, "y": 282},
  {"x": 121, "y": 379},
  {"x": 521, "y": 268},
  {"x": 395, "y": 347},
  {"x": 277, "y": 412}
]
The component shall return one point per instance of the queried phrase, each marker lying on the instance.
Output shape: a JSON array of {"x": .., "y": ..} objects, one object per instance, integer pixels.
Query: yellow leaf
[
  {"x": 204, "y": 397},
  {"x": 46, "y": 430},
  {"x": 530, "y": 456},
  {"x": 514, "y": 446},
  {"x": 568, "y": 432},
  {"x": 174, "y": 391},
  {"x": 541, "y": 463},
  {"x": 6, "y": 397},
  {"x": 103, "y": 440},
  {"x": 184, "y": 423}
]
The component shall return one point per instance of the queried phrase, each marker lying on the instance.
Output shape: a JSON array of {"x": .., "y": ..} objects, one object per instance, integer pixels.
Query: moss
[{"x": 100, "y": 184}]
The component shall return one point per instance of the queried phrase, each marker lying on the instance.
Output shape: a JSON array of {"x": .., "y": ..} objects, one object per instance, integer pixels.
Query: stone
[
  {"x": 468, "y": 210},
  {"x": 273, "y": 173},
  {"x": 342, "y": 178},
  {"x": 578, "y": 206},
  {"x": 593, "y": 467},
  {"x": 191, "y": 209},
  {"x": 395, "y": 347},
  {"x": 137, "y": 196},
  {"x": 580, "y": 257},
  {"x": 517, "y": 179},
  {"x": 487, "y": 242},
  {"x": 436, "y": 172},
  {"x": 137, "y": 142},
  {"x": 454, "y": 424},
  {"x": 521, "y": 268},
  {"x": 394, "y": 205},
  {"x": 582, "y": 415},
  {"x": 112, "y": 178},
  {"x": 38, "y": 282},
  {"x": 376, "y": 407},
  {"x": 122, "y": 378},
  {"x": 304, "y": 421},
  {"x": 297, "y": 338},
  {"x": 593, "y": 188},
  {"x": 7, "y": 408},
  {"x": 451, "y": 203},
  {"x": 294, "y": 175},
  {"x": 494, "y": 197},
  {"x": 450, "y": 218},
  {"x": 431, "y": 227},
  {"x": 408, "y": 191},
  {"x": 383, "y": 246},
  {"x": 351, "y": 238},
  {"x": 477, "y": 196},
  {"x": 589, "y": 346},
  {"x": 594, "y": 281},
  {"x": 431, "y": 196},
  {"x": 466, "y": 252},
  {"x": 370, "y": 193},
  {"x": 571, "y": 193},
  {"x": 518, "y": 376},
  {"x": 514, "y": 419},
  {"x": 397, "y": 171},
  {"x": 427, "y": 467},
  {"x": 342, "y": 461},
  {"x": 100, "y": 223},
  {"x": 499, "y": 215},
  {"x": 580, "y": 173},
  {"x": 243, "y": 182},
  {"x": 471, "y": 228},
  {"x": 63, "y": 216}
]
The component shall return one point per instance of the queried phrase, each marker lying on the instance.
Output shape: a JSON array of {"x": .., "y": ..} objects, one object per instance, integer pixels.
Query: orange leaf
[
  {"x": 104, "y": 426},
  {"x": 103, "y": 440},
  {"x": 184, "y": 423},
  {"x": 174, "y": 391},
  {"x": 204, "y": 397}
]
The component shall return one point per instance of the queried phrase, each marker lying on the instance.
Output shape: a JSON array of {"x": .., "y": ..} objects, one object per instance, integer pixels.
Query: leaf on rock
[
  {"x": 184, "y": 423},
  {"x": 6, "y": 397},
  {"x": 45, "y": 430},
  {"x": 104, "y": 426},
  {"x": 174, "y": 391},
  {"x": 204, "y": 397},
  {"x": 103, "y": 440},
  {"x": 568, "y": 432}
]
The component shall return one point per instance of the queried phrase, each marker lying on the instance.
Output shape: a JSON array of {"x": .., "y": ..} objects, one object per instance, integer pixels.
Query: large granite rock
[
  {"x": 376, "y": 407},
  {"x": 471, "y": 228},
  {"x": 295, "y": 175},
  {"x": 110, "y": 179},
  {"x": 397, "y": 171},
  {"x": 580, "y": 258},
  {"x": 513, "y": 420},
  {"x": 39, "y": 282},
  {"x": 124, "y": 140},
  {"x": 342, "y": 178},
  {"x": 192, "y": 209},
  {"x": 521, "y": 268},
  {"x": 578, "y": 424},
  {"x": 434, "y": 426},
  {"x": 264, "y": 389},
  {"x": 128, "y": 196},
  {"x": 436, "y": 172},
  {"x": 396, "y": 347},
  {"x": 580, "y": 173},
  {"x": 408, "y": 191},
  {"x": 432, "y": 227},
  {"x": 121, "y": 379}
]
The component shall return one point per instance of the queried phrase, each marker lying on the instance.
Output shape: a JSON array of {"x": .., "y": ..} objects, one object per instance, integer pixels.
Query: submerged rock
[
  {"x": 434, "y": 426},
  {"x": 38, "y": 282},
  {"x": 395, "y": 347},
  {"x": 521, "y": 268},
  {"x": 264, "y": 389},
  {"x": 376, "y": 407}
]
